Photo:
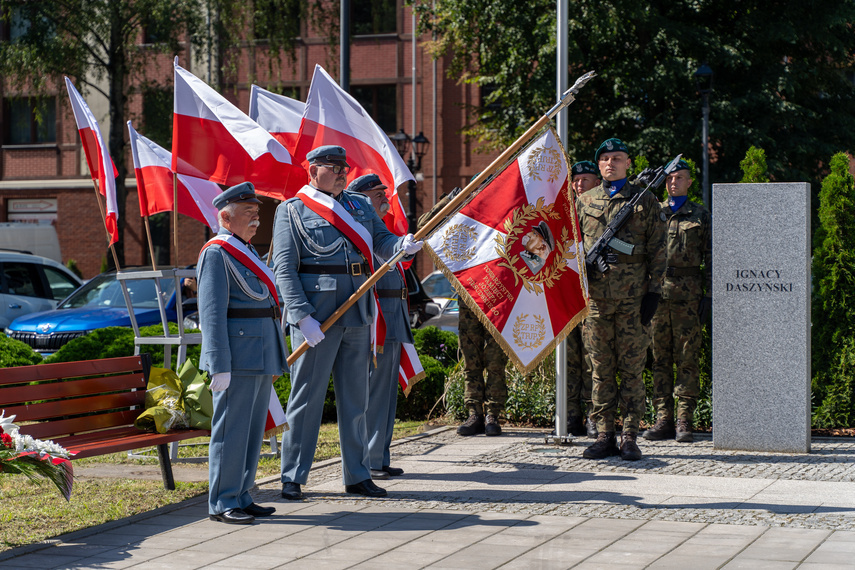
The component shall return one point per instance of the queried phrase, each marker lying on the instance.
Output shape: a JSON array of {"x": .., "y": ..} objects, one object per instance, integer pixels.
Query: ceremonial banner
[
  {"x": 280, "y": 116},
  {"x": 155, "y": 189},
  {"x": 410, "y": 370},
  {"x": 101, "y": 166},
  {"x": 214, "y": 140},
  {"x": 512, "y": 254}
]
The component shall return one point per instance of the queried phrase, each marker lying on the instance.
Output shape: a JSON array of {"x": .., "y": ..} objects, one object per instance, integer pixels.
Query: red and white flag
[
  {"x": 410, "y": 370},
  {"x": 513, "y": 254},
  {"x": 155, "y": 186},
  {"x": 332, "y": 116},
  {"x": 275, "y": 422},
  {"x": 278, "y": 115},
  {"x": 214, "y": 140},
  {"x": 101, "y": 166}
]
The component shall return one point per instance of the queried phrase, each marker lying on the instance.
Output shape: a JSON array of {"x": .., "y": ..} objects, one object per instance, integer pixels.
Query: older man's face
[
  {"x": 323, "y": 177},
  {"x": 244, "y": 221},
  {"x": 536, "y": 245},
  {"x": 379, "y": 201}
]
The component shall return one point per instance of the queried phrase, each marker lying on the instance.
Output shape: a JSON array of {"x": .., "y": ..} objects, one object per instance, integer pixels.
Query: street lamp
[
  {"x": 420, "y": 144},
  {"x": 704, "y": 82}
]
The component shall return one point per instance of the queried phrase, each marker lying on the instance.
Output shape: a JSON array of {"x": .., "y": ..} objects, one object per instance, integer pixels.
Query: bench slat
[
  {"x": 90, "y": 405},
  {"x": 62, "y": 370},
  {"x": 57, "y": 428},
  {"x": 119, "y": 442},
  {"x": 69, "y": 388}
]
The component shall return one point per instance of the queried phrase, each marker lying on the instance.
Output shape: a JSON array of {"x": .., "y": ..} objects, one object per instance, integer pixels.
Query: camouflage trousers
[
  {"x": 615, "y": 340},
  {"x": 676, "y": 340},
  {"x": 578, "y": 375},
  {"x": 481, "y": 352}
]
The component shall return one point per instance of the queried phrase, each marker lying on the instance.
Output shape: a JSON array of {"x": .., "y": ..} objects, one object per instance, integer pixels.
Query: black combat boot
[
  {"x": 628, "y": 447},
  {"x": 684, "y": 432},
  {"x": 591, "y": 426},
  {"x": 473, "y": 425},
  {"x": 662, "y": 429},
  {"x": 492, "y": 427},
  {"x": 605, "y": 446},
  {"x": 575, "y": 426}
]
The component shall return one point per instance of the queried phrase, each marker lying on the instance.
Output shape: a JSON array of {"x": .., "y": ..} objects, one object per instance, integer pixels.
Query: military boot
[
  {"x": 605, "y": 446},
  {"x": 591, "y": 426},
  {"x": 492, "y": 427},
  {"x": 662, "y": 429},
  {"x": 628, "y": 447},
  {"x": 684, "y": 432},
  {"x": 473, "y": 425},
  {"x": 576, "y": 426}
]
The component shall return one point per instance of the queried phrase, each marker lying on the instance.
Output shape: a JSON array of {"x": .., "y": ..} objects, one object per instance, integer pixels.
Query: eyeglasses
[{"x": 337, "y": 168}]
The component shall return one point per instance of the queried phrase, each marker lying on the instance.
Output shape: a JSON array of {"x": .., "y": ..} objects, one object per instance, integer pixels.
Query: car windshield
[
  {"x": 105, "y": 291},
  {"x": 436, "y": 285}
]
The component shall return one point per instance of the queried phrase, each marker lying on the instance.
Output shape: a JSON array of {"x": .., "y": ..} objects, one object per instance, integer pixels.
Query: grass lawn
[{"x": 34, "y": 511}]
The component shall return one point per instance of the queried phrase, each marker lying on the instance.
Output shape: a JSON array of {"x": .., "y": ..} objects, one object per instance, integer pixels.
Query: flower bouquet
[{"x": 33, "y": 457}]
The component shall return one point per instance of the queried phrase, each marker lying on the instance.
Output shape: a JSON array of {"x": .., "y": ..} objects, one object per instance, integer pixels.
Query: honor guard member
[
  {"x": 383, "y": 381},
  {"x": 583, "y": 177},
  {"x": 684, "y": 309},
  {"x": 243, "y": 351},
  {"x": 622, "y": 300},
  {"x": 483, "y": 397},
  {"x": 323, "y": 240}
]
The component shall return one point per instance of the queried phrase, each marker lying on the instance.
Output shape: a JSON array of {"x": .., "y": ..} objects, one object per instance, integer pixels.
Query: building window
[
  {"x": 379, "y": 101},
  {"x": 373, "y": 17},
  {"x": 31, "y": 120}
]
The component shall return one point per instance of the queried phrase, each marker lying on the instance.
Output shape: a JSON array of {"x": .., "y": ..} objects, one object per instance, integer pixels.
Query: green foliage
[
  {"x": 16, "y": 353},
  {"x": 71, "y": 264},
  {"x": 437, "y": 351},
  {"x": 754, "y": 166},
  {"x": 833, "y": 303},
  {"x": 531, "y": 399}
]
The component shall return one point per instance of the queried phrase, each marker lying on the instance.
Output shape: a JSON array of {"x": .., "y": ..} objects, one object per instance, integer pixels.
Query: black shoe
[
  {"x": 628, "y": 447},
  {"x": 575, "y": 426},
  {"x": 393, "y": 471},
  {"x": 367, "y": 488},
  {"x": 259, "y": 511},
  {"x": 491, "y": 426},
  {"x": 684, "y": 432},
  {"x": 379, "y": 474},
  {"x": 591, "y": 427},
  {"x": 605, "y": 446},
  {"x": 472, "y": 426},
  {"x": 662, "y": 429},
  {"x": 234, "y": 516},
  {"x": 291, "y": 491}
]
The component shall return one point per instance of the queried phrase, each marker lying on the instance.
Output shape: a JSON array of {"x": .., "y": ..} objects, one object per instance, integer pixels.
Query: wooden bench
[{"x": 88, "y": 407}]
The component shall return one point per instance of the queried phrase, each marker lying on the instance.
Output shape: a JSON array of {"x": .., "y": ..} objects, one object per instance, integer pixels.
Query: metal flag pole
[{"x": 566, "y": 99}]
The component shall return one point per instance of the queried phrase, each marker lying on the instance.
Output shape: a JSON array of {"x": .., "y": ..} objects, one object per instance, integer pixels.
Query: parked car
[
  {"x": 445, "y": 315},
  {"x": 97, "y": 304},
  {"x": 30, "y": 283},
  {"x": 437, "y": 286}
]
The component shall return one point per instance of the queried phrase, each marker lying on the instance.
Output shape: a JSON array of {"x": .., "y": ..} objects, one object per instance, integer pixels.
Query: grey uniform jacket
[
  {"x": 302, "y": 238},
  {"x": 245, "y": 346},
  {"x": 396, "y": 310}
]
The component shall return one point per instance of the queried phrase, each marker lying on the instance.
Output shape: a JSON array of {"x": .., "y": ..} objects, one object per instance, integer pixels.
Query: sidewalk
[{"x": 513, "y": 502}]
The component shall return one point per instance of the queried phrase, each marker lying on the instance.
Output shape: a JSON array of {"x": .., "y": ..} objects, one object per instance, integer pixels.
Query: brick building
[{"x": 43, "y": 173}]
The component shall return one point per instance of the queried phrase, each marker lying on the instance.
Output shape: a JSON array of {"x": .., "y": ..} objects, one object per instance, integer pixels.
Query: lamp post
[
  {"x": 704, "y": 82},
  {"x": 420, "y": 144}
]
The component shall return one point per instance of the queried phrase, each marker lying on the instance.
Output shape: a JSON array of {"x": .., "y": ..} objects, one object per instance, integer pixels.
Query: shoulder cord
[
  {"x": 317, "y": 249},
  {"x": 265, "y": 292}
]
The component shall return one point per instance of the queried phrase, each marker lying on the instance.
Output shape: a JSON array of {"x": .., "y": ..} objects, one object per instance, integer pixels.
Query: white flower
[{"x": 6, "y": 423}]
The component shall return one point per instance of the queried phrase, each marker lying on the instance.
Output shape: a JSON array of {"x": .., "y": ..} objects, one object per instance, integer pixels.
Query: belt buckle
[
  {"x": 356, "y": 269},
  {"x": 403, "y": 293},
  {"x": 611, "y": 258}
]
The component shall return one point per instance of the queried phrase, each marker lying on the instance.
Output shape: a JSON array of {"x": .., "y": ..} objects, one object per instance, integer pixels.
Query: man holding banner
[
  {"x": 242, "y": 349},
  {"x": 623, "y": 298},
  {"x": 324, "y": 242}
]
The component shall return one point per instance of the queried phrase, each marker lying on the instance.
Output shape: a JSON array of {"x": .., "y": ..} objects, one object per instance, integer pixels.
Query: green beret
[
  {"x": 610, "y": 145},
  {"x": 584, "y": 167},
  {"x": 682, "y": 165}
]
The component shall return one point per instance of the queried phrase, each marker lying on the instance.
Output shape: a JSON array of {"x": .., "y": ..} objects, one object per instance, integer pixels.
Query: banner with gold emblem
[{"x": 513, "y": 254}]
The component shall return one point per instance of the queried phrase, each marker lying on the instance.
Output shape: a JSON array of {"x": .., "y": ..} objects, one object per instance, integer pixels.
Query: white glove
[
  {"x": 220, "y": 381},
  {"x": 410, "y": 245},
  {"x": 311, "y": 330}
]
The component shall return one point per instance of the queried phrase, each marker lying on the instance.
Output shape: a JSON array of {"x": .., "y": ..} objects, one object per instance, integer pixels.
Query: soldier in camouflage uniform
[
  {"x": 683, "y": 310},
  {"x": 622, "y": 300},
  {"x": 584, "y": 176},
  {"x": 480, "y": 352}
]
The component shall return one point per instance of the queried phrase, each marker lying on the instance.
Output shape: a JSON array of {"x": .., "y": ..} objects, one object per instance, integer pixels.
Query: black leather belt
[
  {"x": 392, "y": 293},
  {"x": 613, "y": 258},
  {"x": 268, "y": 313},
  {"x": 683, "y": 271},
  {"x": 352, "y": 269}
]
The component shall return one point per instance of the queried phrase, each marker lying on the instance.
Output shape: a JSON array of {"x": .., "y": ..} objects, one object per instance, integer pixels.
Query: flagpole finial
[{"x": 175, "y": 61}]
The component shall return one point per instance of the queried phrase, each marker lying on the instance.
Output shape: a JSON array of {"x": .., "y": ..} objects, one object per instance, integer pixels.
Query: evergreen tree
[{"x": 754, "y": 166}]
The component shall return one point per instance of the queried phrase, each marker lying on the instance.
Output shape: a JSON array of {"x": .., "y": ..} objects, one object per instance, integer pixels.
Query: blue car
[{"x": 97, "y": 304}]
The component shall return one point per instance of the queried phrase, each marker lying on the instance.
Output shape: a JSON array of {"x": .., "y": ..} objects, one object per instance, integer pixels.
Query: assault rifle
[{"x": 597, "y": 256}]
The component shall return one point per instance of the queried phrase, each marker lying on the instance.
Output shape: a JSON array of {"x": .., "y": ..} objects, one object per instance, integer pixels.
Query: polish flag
[
  {"x": 214, "y": 140},
  {"x": 279, "y": 115},
  {"x": 410, "y": 370},
  {"x": 275, "y": 422},
  {"x": 155, "y": 186},
  {"x": 97, "y": 157},
  {"x": 332, "y": 116}
]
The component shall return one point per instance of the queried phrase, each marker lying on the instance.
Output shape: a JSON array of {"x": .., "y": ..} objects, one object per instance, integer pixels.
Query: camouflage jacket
[
  {"x": 689, "y": 251},
  {"x": 635, "y": 275}
]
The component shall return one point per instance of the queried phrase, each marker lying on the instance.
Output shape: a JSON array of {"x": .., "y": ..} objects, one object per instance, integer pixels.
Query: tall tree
[{"x": 780, "y": 68}]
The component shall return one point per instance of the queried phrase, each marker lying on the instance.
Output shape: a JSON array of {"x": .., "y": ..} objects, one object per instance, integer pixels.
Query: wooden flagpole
[
  {"x": 568, "y": 97},
  {"x": 150, "y": 243},
  {"x": 104, "y": 221}
]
